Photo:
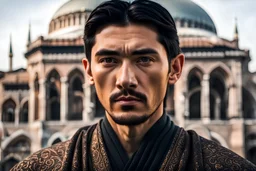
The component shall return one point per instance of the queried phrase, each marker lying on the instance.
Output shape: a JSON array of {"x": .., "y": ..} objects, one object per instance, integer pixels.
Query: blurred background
[{"x": 45, "y": 97}]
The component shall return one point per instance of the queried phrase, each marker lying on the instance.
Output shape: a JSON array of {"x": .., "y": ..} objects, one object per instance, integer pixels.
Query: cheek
[
  {"x": 158, "y": 82},
  {"x": 104, "y": 83}
]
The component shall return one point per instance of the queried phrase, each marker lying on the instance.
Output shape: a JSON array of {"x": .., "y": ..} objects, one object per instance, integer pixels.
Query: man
[{"x": 133, "y": 53}]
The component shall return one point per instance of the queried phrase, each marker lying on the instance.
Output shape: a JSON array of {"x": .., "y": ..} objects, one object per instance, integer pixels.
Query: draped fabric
[
  {"x": 161, "y": 149},
  {"x": 151, "y": 153}
]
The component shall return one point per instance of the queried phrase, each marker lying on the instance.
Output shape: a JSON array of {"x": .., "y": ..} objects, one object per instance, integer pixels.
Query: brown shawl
[{"x": 86, "y": 151}]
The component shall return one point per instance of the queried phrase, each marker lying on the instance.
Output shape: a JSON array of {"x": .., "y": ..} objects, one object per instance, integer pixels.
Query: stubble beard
[{"x": 133, "y": 119}]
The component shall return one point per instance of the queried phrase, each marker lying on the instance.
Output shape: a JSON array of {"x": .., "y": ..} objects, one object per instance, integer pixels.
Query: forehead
[{"x": 126, "y": 37}]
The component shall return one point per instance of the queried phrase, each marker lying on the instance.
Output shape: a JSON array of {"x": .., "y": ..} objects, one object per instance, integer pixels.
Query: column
[
  {"x": 180, "y": 98},
  {"x": 42, "y": 99},
  {"x": 205, "y": 98},
  {"x": 31, "y": 107},
  {"x": 87, "y": 112},
  {"x": 66, "y": 21},
  {"x": 16, "y": 115},
  {"x": 64, "y": 99},
  {"x": 185, "y": 94},
  {"x": 235, "y": 91},
  {"x": 232, "y": 105},
  {"x": 83, "y": 19},
  {"x": 77, "y": 19},
  {"x": 217, "y": 108},
  {"x": 239, "y": 90},
  {"x": 72, "y": 22}
]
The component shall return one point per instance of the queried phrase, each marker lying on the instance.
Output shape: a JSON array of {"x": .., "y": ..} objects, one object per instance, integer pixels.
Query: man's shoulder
[
  {"x": 217, "y": 157},
  {"x": 50, "y": 158}
]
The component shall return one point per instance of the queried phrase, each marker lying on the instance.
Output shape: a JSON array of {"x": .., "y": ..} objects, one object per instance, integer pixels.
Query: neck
[{"x": 131, "y": 136}]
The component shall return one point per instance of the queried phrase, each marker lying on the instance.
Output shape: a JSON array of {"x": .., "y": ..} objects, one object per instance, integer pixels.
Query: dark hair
[{"x": 143, "y": 12}]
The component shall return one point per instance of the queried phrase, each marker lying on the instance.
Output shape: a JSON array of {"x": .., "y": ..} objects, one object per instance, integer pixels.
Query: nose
[{"x": 126, "y": 77}]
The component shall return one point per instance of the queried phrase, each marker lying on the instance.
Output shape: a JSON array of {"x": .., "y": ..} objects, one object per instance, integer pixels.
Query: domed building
[{"x": 50, "y": 99}]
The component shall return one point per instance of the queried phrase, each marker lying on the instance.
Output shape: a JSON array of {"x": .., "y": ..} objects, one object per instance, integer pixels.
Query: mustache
[{"x": 126, "y": 92}]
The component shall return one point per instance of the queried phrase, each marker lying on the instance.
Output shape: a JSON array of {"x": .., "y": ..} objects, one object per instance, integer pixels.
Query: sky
[{"x": 15, "y": 16}]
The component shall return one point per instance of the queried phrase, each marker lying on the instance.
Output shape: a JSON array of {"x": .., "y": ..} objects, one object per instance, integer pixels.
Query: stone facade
[{"x": 50, "y": 99}]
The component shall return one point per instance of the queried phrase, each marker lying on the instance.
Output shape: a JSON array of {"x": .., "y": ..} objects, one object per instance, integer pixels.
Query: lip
[{"x": 127, "y": 100}]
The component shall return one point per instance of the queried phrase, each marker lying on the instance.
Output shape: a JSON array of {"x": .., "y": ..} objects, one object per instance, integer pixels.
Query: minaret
[
  {"x": 29, "y": 35},
  {"x": 10, "y": 54},
  {"x": 236, "y": 35}
]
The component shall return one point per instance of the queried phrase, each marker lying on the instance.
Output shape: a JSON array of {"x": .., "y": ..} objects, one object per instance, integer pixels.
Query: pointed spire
[
  {"x": 29, "y": 35},
  {"x": 10, "y": 54},
  {"x": 236, "y": 35}
]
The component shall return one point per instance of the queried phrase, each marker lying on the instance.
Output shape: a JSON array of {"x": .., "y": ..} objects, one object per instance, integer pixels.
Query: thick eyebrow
[
  {"x": 144, "y": 51},
  {"x": 106, "y": 52}
]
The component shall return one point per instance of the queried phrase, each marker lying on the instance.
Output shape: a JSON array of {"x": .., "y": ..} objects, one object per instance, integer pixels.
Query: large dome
[
  {"x": 76, "y": 6},
  {"x": 191, "y": 20}
]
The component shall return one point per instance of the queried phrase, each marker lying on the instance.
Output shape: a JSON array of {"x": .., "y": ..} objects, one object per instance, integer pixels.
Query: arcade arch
[{"x": 53, "y": 96}]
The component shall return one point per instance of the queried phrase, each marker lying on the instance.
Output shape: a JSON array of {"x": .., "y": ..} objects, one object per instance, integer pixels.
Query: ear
[
  {"x": 88, "y": 71},
  {"x": 176, "y": 68}
]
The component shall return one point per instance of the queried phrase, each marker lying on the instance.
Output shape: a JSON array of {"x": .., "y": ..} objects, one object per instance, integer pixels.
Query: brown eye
[
  {"x": 108, "y": 60},
  {"x": 144, "y": 59}
]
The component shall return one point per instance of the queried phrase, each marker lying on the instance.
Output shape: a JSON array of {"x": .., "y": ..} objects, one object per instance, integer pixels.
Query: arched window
[
  {"x": 7, "y": 164},
  {"x": 18, "y": 146},
  {"x": 218, "y": 95},
  {"x": 194, "y": 93},
  {"x": 194, "y": 82},
  {"x": 250, "y": 146},
  {"x": 195, "y": 105},
  {"x": 76, "y": 95},
  {"x": 252, "y": 155},
  {"x": 98, "y": 109},
  {"x": 249, "y": 105},
  {"x": 53, "y": 96},
  {"x": 24, "y": 113},
  {"x": 8, "y": 111}
]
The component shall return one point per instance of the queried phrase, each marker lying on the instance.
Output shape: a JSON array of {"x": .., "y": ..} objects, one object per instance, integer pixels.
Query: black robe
[
  {"x": 151, "y": 152},
  {"x": 164, "y": 147}
]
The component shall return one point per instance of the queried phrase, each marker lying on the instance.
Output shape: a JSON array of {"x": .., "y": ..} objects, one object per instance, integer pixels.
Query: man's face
[{"x": 129, "y": 69}]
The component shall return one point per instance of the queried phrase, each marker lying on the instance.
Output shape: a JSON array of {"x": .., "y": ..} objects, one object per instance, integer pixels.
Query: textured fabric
[{"x": 86, "y": 151}]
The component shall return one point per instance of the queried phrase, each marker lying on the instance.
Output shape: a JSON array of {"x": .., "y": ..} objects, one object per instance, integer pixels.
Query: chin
[{"x": 129, "y": 119}]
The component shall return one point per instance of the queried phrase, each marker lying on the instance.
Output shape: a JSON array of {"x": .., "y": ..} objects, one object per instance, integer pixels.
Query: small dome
[{"x": 76, "y": 6}]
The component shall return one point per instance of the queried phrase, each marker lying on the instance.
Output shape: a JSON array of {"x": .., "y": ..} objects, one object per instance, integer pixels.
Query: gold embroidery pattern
[
  {"x": 173, "y": 156},
  {"x": 46, "y": 159},
  {"x": 99, "y": 155},
  {"x": 192, "y": 152},
  {"x": 187, "y": 152},
  {"x": 217, "y": 157}
]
